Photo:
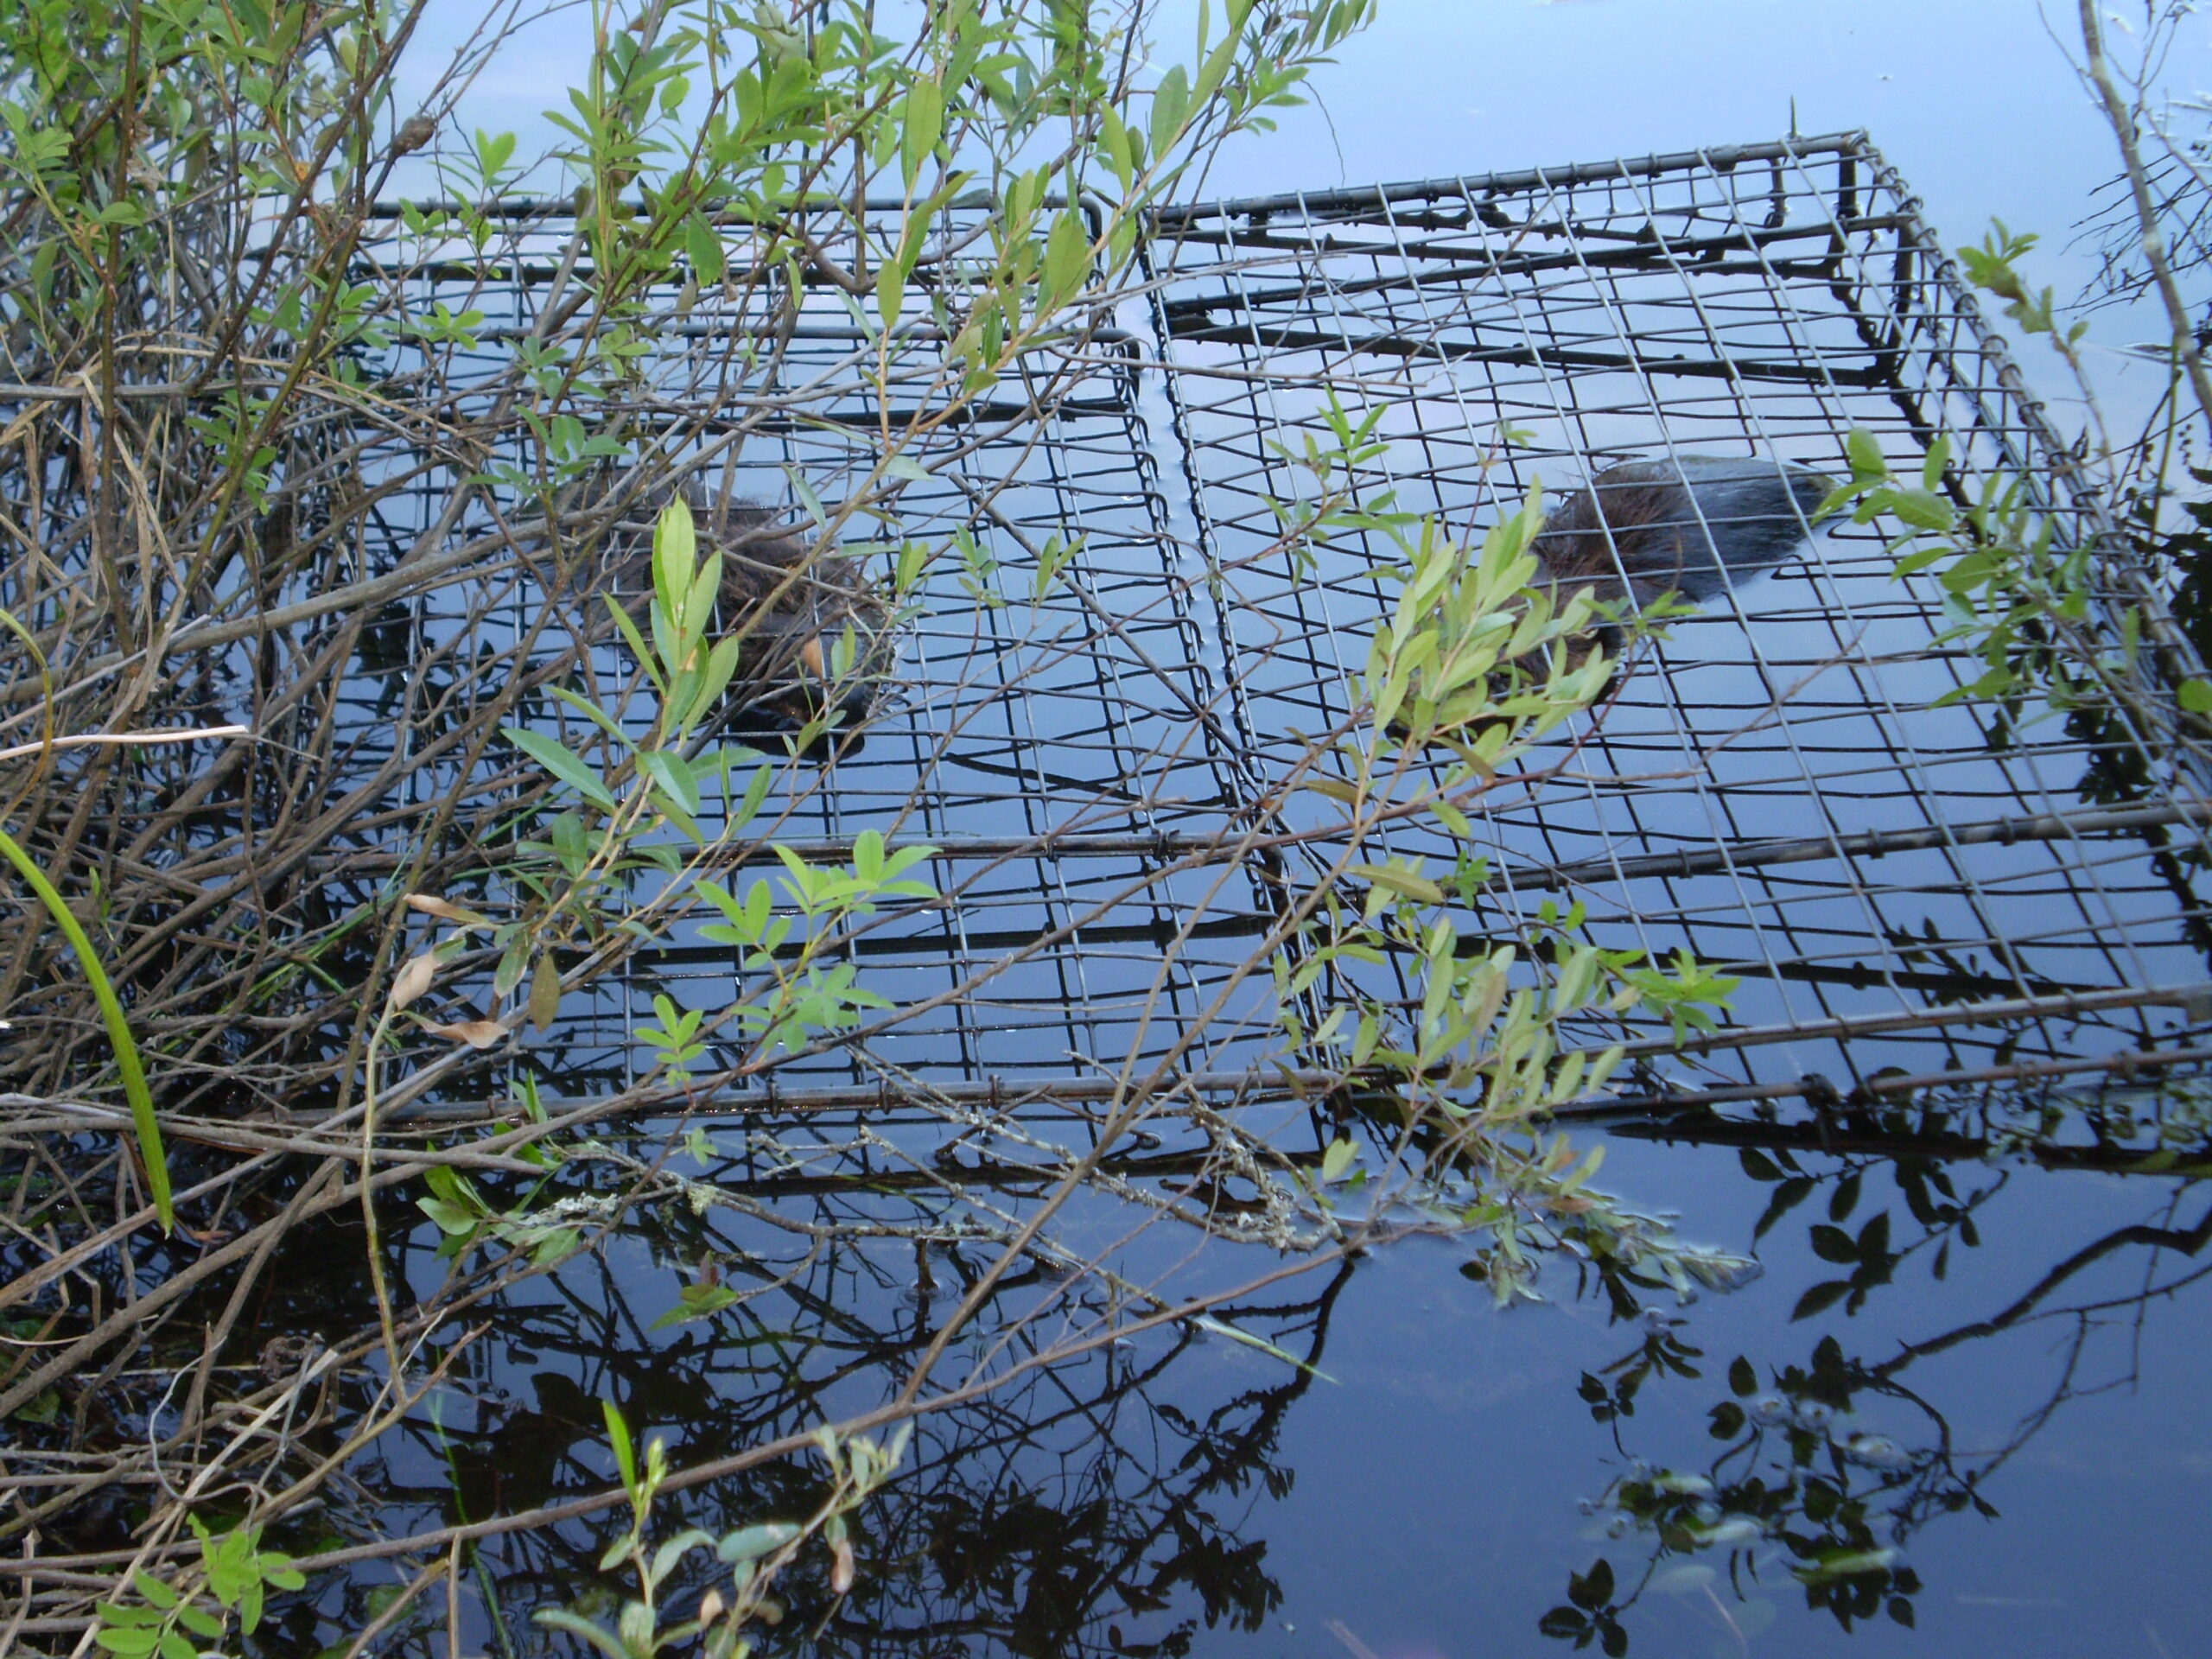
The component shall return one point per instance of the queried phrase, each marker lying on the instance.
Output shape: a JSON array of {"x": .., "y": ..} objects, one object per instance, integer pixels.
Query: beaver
[
  {"x": 1690, "y": 525},
  {"x": 1685, "y": 524},
  {"x": 1687, "y": 527},
  {"x": 795, "y": 606}
]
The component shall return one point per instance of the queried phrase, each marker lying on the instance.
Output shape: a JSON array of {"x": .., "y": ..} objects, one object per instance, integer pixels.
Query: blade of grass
[{"x": 119, "y": 1030}]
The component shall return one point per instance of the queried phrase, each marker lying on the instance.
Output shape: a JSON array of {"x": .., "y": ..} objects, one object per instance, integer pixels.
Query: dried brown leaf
[
  {"x": 413, "y": 979},
  {"x": 477, "y": 1033}
]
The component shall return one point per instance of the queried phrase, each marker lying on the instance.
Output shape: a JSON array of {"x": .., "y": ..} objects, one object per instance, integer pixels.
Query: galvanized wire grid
[
  {"x": 1763, "y": 301},
  {"x": 1769, "y": 789},
  {"x": 1778, "y": 749},
  {"x": 1017, "y": 727},
  {"x": 1053, "y": 742}
]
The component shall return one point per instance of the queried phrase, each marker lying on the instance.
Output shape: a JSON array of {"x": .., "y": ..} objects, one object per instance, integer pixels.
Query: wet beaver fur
[
  {"x": 794, "y": 607},
  {"x": 1691, "y": 525}
]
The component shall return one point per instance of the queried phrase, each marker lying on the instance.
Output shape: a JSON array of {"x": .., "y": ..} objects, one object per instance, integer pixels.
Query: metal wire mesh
[
  {"x": 1897, "y": 886},
  {"x": 1906, "y": 892},
  {"x": 1762, "y": 301}
]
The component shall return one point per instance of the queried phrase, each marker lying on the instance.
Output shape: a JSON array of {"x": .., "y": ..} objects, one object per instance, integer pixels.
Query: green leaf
[
  {"x": 250, "y": 1608},
  {"x": 127, "y": 1617},
  {"x": 807, "y": 498},
  {"x": 721, "y": 667},
  {"x": 1215, "y": 69},
  {"x": 1114, "y": 144},
  {"x": 143, "y": 1124},
  {"x": 563, "y": 763},
  {"x": 890, "y": 293},
  {"x": 756, "y": 792},
  {"x": 452, "y": 1220},
  {"x": 153, "y": 1590},
  {"x": 1864, "y": 451},
  {"x": 695, "y": 1302},
  {"x": 1067, "y": 257},
  {"x": 1923, "y": 510},
  {"x": 867, "y": 856},
  {"x": 1337, "y": 1159},
  {"x": 1931, "y": 470},
  {"x": 750, "y": 1543},
  {"x": 636, "y": 641},
  {"x": 555, "y": 1618},
  {"x": 921, "y": 125},
  {"x": 618, "y": 1436},
  {"x": 666, "y": 1558},
  {"x": 545, "y": 992},
  {"x": 703, "y": 247},
  {"x": 1169, "y": 106},
  {"x": 2196, "y": 696},
  {"x": 673, "y": 776},
  {"x": 1393, "y": 877},
  {"x": 675, "y": 554},
  {"x": 493, "y": 151}
]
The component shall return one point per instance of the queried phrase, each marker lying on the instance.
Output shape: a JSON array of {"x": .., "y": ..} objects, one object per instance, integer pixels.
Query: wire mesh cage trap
[
  {"x": 1095, "y": 703},
  {"x": 1906, "y": 888}
]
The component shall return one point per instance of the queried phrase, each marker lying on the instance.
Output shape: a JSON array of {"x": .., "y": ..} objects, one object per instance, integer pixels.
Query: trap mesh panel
[
  {"x": 1041, "y": 722},
  {"x": 1771, "y": 787},
  {"x": 1768, "y": 787}
]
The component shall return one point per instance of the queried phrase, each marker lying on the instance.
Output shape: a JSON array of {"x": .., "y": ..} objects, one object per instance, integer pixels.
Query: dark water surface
[
  {"x": 1437, "y": 1505},
  {"x": 2025, "y": 1436},
  {"x": 1435, "y": 1511}
]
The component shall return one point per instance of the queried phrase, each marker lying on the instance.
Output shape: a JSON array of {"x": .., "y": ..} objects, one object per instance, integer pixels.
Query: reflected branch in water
[{"x": 1810, "y": 1487}]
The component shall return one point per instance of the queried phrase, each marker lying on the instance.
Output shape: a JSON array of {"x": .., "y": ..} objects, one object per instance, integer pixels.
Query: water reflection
[
  {"x": 1854, "y": 1445},
  {"x": 1098, "y": 1502},
  {"x": 1832, "y": 1453},
  {"x": 1942, "y": 1282}
]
